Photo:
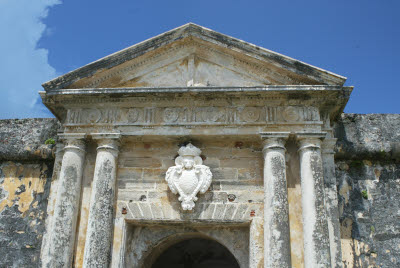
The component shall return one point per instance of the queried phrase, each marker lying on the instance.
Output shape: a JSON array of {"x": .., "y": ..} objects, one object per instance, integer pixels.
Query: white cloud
[{"x": 23, "y": 66}]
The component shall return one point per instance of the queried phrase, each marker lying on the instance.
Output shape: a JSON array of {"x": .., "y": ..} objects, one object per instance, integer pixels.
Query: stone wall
[
  {"x": 26, "y": 164},
  {"x": 367, "y": 171},
  {"x": 368, "y": 177}
]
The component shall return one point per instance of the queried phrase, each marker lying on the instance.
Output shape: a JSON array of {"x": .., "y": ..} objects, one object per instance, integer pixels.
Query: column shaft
[
  {"x": 276, "y": 209},
  {"x": 100, "y": 224},
  {"x": 315, "y": 229},
  {"x": 63, "y": 229}
]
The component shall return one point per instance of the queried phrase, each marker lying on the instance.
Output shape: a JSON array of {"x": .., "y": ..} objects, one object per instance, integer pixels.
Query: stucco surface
[{"x": 24, "y": 190}]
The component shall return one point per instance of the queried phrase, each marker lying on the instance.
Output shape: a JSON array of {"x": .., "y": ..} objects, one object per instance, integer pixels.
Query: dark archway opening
[{"x": 196, "y": 253}]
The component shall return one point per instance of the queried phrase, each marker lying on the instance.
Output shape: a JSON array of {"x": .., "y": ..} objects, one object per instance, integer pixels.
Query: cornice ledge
[{"x": 137, "y": 90}]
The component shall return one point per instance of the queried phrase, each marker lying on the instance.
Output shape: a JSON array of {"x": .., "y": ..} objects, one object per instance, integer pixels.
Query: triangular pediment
[{"x": 194, "y": 56}]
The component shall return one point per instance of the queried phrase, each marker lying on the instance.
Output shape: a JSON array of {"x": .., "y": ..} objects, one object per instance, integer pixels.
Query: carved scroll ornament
[{"x": 189, "y": 176}]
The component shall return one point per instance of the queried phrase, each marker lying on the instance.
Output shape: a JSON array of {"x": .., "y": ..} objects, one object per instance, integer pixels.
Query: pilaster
[{"x": 331, "y": 199}]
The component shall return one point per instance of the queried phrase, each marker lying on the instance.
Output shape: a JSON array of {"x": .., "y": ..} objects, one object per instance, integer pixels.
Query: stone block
[
  {"x": 137, "y": 185},
  {"x": 131, "y": 195},
  {"x": 211, "y": 162},
  {"x": 240, "y": 212},
  {"x": 135, "y": 210},
  {"x": 224, "y": 174},
  {"x": 229, "y": 211},
  {"x": 208, "y": 211},
  {"x": 146, "y": 210},
  {"x": 129, "y": 174},
  {"x": 144, "y": 162},
  {"x": 156, "y": 210},
  {"x": 167, "y": 162},
  {"x": 248, "y": 163},
  {"x": 154, "y": 174},
  {"x": 246, "y": 174},
  {"x": 219, "y": 211}
]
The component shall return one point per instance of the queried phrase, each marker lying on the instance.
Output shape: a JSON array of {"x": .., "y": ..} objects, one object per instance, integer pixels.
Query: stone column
[
  {"x": 315, "y": 228},
  {"x": 332, "y": 201},
  {"x": 100, "y": 224},
  {"x": 62, "y": 236},
  {"x": 276, "y": 208}
]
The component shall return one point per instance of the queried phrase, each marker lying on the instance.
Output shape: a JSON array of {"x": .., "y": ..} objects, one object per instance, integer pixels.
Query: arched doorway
[{"x": 196, "y": 253}]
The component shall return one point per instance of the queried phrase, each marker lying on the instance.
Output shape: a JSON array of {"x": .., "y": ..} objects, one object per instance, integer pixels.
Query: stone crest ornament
[{"x": 189, "y": 176}]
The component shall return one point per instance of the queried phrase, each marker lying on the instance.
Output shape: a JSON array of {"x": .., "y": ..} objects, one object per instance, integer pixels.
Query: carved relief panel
[{"x": 213, "y": 115}]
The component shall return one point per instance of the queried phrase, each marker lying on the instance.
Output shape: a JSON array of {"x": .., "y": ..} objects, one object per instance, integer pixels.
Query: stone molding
[
  {"x": 74, "y": 141},
  {"x": 311, "y": 140}
]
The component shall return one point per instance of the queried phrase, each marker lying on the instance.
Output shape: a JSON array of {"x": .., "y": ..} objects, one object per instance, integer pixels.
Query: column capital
[
  {"x": 274, "y": 140},
  {"x": 310, "y": 140},
  {"x": 107, "y": 141},
  {"x": 73, "y": 141}
]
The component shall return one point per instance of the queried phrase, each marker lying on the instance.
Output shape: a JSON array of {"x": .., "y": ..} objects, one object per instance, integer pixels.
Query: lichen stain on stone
[
  {"x": 344, "y": 191},
  {"x": 82, "y": 223},
  {"x": 296, "y": 226},
  {"x": 347, "y": 243},
  {"x": 377, "y": 173},
  {"x": 21, "y": 184}
]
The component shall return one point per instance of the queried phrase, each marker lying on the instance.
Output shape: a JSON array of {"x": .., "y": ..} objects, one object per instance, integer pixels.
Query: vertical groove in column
[
  {"x": 315, "y": 229},
  {"x": 100, "y": 224},
  {"x": 62, "y": 237},
  {"x": 276, "y": 208}
]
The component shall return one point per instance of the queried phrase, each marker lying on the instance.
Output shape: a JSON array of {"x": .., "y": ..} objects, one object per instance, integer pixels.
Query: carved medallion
[
  {"x": 171, "y": 115},
  {"x": 93, "y": 115},
  {"x": 189, "y": 176},
  {"x": 133, "y": 115},
  {"x": 250, "y": 114},
  {"x": 291, "y": 114},
  {"x": 211, "y": 114}
]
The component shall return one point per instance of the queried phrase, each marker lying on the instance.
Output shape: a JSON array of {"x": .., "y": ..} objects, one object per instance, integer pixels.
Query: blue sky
[{"x": 359, "y": 39}]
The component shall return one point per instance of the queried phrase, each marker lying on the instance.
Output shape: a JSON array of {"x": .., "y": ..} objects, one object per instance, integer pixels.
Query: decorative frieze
[{"x": 207, "y": 115}]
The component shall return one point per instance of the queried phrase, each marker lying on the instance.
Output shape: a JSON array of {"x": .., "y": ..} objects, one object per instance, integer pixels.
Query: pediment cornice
[{"x": 159, "y": 62}]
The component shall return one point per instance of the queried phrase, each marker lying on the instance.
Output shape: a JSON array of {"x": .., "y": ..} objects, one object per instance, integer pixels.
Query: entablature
[{"x": 191, "y": 107}]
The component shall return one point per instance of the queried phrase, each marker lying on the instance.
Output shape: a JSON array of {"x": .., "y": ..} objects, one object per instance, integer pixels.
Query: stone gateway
[{"x": 196, "y": 149}]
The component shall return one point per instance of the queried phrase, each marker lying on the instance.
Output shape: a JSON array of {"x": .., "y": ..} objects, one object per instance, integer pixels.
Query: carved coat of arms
[{"x": 189, "y": 176}]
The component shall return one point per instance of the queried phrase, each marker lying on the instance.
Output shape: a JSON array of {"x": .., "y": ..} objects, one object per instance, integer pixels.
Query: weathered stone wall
[
  {"x": 367, "y": 171},
  {"x": 368, "y": 176},
  {"x": 26, "y": 164}
]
